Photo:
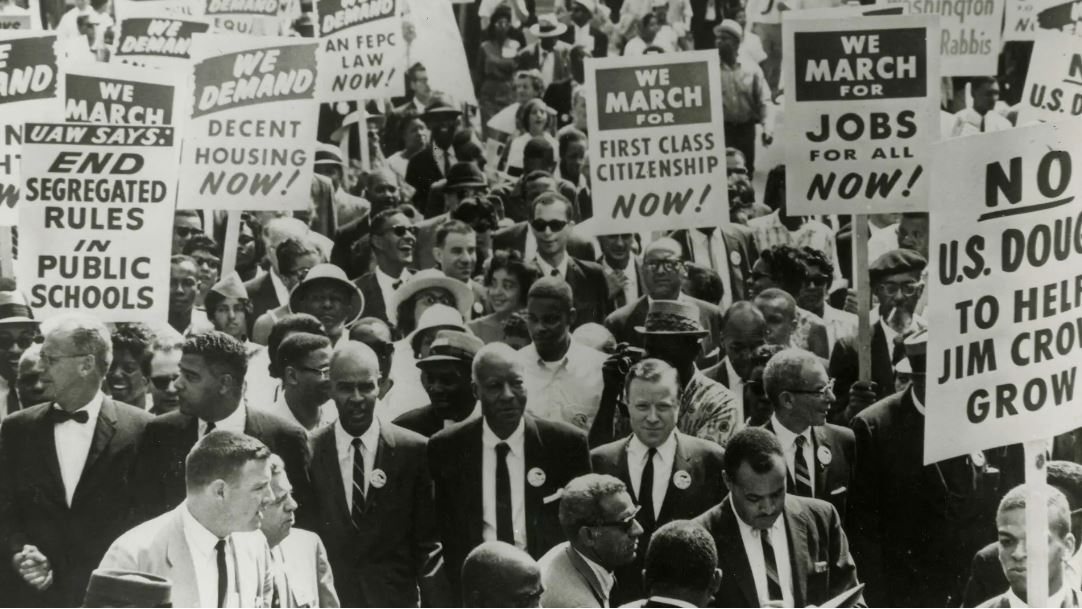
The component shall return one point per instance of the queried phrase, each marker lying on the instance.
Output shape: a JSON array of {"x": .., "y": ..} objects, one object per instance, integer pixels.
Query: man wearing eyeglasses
[
  {"x": 394, "y": 239},
  {"x": 305, "y": 399},
  {"x": 818, "y": 455},
  {"x": 599, "y": 519}
]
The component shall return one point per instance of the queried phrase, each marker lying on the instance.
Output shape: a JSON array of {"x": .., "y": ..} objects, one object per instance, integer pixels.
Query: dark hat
[
  {"x": 894, "y": 262},
  {"x": 439, "y": 107},
  {"x": 672, "y": 317},
  {"x": 916, "y": 350},
  {"x": 465, "y": 174},
  {"x": 14, "y": 309},
  {"x": 116, "y": 588},
  {"x": 452, "y": 346}
]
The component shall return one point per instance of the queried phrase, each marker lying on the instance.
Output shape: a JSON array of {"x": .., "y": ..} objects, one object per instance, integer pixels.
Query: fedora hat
[
  {"x": 332, "y": 274},
  {"x": 14, "y": 309},
  {"x": 452, "y": 346},
  {"x": 437, "y": 317},
  {"x": 672, "y": 317},
  {"x": 118, "y": 588},
  {"x": 433, "y": 278},
  {"x": 439, "y": 107},
  {"x": 465, "y": 174},
  {"x": 548, "y": 27}
]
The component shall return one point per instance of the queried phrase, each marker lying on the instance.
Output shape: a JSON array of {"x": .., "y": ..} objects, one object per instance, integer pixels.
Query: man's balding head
[
  {"x": 497, "y": 574},
  {"x": 355, "y": 385},
  {"x": 743, "y": 330},
  {"x": 779, "y": 310},
  {"x": 663, "y": 269},
  {"x": 499, "y": 384}
]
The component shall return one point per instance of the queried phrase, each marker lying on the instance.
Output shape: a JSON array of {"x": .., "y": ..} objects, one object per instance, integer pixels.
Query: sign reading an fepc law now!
[{"x": 657, "y": 145}]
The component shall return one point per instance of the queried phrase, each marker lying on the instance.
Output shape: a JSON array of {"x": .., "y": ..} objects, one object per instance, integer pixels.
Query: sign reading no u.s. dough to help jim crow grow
[
  {"x": 252, "y": 126},
  {"x": 362, "y": 52},
  {"x": 1006, "y": 289},
  {"x": 862, "y": 113},
  {"x": 96, "y": 219},
  {"x": 657, "y": 148}
]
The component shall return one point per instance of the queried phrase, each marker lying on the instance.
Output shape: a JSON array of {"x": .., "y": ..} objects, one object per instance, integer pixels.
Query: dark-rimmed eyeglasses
[
  {"x": 821, "y": 392},
  {"x": 553, "y": 225},
  {"x": 23, "y": 341},
  {"x": 626, "y": 523},
  {"x": 401, "y": 230}
]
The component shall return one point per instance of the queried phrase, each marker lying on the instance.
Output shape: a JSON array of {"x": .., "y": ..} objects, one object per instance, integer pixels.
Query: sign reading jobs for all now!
[
  {"x": 96, "y": 219},
  {"x": 362, "y": 53},
  {"x": 249, "y": 139},
  {"x": 30, "y": 90},
  {"x": 863, "y": 113},
  {"x": 1005, "y": 289},
  {"x": 1053, "y": 89},
  {"x": 657, "y": 141},
  {"x": 970, "y": 33}
]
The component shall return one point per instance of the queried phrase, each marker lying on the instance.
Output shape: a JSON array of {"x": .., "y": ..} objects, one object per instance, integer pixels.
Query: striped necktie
[
  {"x": 803, "y": 486},
  {"x": 358, "y": 482},
  {"x": 773, "y": 582}
]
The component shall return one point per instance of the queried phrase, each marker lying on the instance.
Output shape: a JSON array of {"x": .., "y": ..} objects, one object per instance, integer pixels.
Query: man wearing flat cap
[
  {"x": 896, "y": 280},
  {"x": 445, "y": 375},
  {"x": 746, "y": 99},
  {"x": 434, "y": 162}
]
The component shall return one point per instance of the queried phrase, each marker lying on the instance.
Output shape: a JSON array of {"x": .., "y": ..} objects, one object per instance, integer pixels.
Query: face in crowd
[
  {"x": 500, "y": 386},
  {"x": 15, "y": 339},
  {"x": 183, "y": 287}
]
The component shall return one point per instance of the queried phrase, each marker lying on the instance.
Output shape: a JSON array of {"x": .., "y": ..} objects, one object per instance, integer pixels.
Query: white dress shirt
[
  {"x": 386, "y": 287},
  {"x": 280, "y": 289},
  {"x": 711, "y": 251},
  {"x": 547, "y": 61},
  {"x": 663, "y": 464},
  {"x": 735, "y": 385},
  {"x": 546, "y": 268},
  {"x": 343, "y": 443},
  {"x": 567, "y": 390},
  {"x": 234, "y": 422},
  {"x": 583, "y": 36},
  {"x": 73, "y": 444},
  {"x": 1054, "y": 600},
  {"x": 753, "y": 548},
  {"x": 516, "y": 467},
  {"x": 328, "y": 413},
  {"x": 631, "y": 287},
  {"x": 529, "y": 249},
  {"x": 201, "y": 544},
  {"x": 788, "y": 444}
]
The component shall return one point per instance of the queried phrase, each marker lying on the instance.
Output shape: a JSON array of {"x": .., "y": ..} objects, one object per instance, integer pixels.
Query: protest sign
[
  {"x": 249, "y": 139},
  {"x": 1006, "y": 290},
  {"x": 96, "y": 219},
  {"x": 30, "y": 90},
  {"x": 120, "y": 95},
  {"x": 254, "y": 17},
  {"x": 362, "y": 54},
  {"x": 14, "y": 21},
  {"x": 970, "y": 33},
  {"x": 153, "y": 37},
  {"x": 1054, "y": 82},
  {"x": 1060, "y": 15},
  {"x": 434, "y": 41},
  {"x": 862, "y": 115},
  {"x": 1020, "y": 20},
  {"x": 657, "y": 143}
]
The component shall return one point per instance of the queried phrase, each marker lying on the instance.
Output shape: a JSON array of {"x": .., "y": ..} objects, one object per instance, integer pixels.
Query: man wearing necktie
[
  {"x": 374, "y": 496},
  {"x": 785, "y": 550},
  {"x": 818, "y": 455},
  {"x": 64, "y": 489}
]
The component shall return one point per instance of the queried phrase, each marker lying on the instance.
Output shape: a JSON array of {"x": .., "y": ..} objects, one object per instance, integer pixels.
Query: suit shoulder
[
  {"x": 879, "y": 412},
  {"x": 738, "y": 230},
  {"x": 700, "y": 447},
  {"x": 252, "y": 285},
  {"x": 455, "y": 433},
  {"x": 564, "y": 432},
  {"x": 21, "y": 417},
  {"x": 607, "y": 455},
  {"x": 839, "y": 434},
  {"x": 134, "y": 413},
  {"x": 709, "y": 519},
  {"x": 590, "y": 267},
  {"x": 273, "y": 423},
  {"x": 168, "y": 421},
  {"x": 411, "y": 417},
  {"x": 406, "y": 437},
  {"x": 819, "y": 509}
]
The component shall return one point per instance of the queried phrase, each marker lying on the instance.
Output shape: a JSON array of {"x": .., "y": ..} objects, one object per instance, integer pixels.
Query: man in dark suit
[
  {"x": 743, "y": 335},
  {"x": 64, "y": 487},
  {"x": 583, "y": 32},
  {"x": 549, "y": 55},
  {"x": 663, "y": 275},
  {"x": 681, "y": 567},
  {"x": 781, "y": 548},
  {"x": 498, "y": 476},
  {"x": 374, "y": 496},
  {"x": 517, "y": 237},
  {"x": 915, "y": 527},
  {"x": 623, "y": 271},
  {"x": 818, "y": 455},
  {"x": 445, "y": 375},
  {"x": 670, "y": 475},
  {"x": 734, "y": 253},
  {"x": 434, "y": 162},
  {"x": 393, "y": 240},
  {"x": 209, "y": 389}
]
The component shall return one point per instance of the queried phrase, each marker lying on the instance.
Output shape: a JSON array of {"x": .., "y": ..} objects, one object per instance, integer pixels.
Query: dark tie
[
  {"x": 646, "y": 492},
  {"x": 803, "y": 486},
  {"x": 358, "y": 482},
  {"x": 210, "y": 427},
  {"x": 397, "y": 283},
  {"x": 554, "y": 273},
  {"x": 898, "y": 352},
  {"x": 223, "y": 575},
  {"x": 505, "y": 527},
  {"x": 773, "y": 585},
  {"x": 59, "y": 415},
  {"x": 13, "y": 401}
]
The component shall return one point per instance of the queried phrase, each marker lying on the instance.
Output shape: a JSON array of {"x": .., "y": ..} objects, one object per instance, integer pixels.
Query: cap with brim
[
  {"x": 118, "y": 588},
  {"x": 434, "y": 278},
  {"x": 439, "y": 108},
  {"x": 228, "y": 287},
  {"x": 437, "y": 317},
  {"x": 672, "y": 317},
  {"x": 14, "y": 309},
  {"x": 332, "y": 274},
  {"x": 895, "y": 262},
  {"x": 465, "y": 174},
  {"x": 548, "y": 27},
  {"x": 452, "y": 346},
  {"x": 327, "y": 154}
]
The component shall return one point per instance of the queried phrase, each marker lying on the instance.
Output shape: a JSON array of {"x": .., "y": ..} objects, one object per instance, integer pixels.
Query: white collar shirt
[
  {"x": 328, "y": 413},
  {"x": 201, "y": 544},
  {"x": 583, "y": 36},
  {"x": 710, "y": 250},
  {"x": 280, "y": 289},
  {"x": 73, "y": 442},
  {"x": 736, "y": 385},
  {"x": 234, "y": 422},
  {"x": 663, "y": 464},
  {"x": 753, "y": 548},
  {"x": 631, "y": 287},
  {"x": 788, "y": 444},
  {"x": 343, "y": 443},
  {"x": 567, "y": 390},
  {"x": 546, "y": 268},
  {"x": 516, "y": 468},
  {"x": 1054, "y": 600},
  {"x": 387, "y": 287}
]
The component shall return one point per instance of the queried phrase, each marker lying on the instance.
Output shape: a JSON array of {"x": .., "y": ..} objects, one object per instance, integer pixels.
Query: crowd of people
[{"x": 446, "y": 383}]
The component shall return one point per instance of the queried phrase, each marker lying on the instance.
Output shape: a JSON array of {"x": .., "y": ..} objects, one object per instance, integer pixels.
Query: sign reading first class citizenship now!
[
  {"x": 657, "y": 145},
  {"x": 1005, "y": 280}
]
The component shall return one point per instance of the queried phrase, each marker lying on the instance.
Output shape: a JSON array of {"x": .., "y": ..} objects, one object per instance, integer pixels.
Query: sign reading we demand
[
  {"x": 657, "y": 145},
  {"x": 1005, "y": 300}
]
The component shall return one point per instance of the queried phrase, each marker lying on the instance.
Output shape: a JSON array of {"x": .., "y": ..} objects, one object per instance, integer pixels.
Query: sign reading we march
[
  {"x": 1005, "y": 304},
  {"x": 657, "y": 144}
]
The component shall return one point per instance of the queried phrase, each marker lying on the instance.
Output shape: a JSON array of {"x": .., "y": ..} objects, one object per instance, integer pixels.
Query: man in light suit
[
  {"x": 818, "y": 455},
  {"x": 782, "y": 548},
  {"x": 598, "y": 518},
  {"x": 64, "y": 487},
  {"x": 301, "y": 571},
  {"x": 210, "y": 546}
]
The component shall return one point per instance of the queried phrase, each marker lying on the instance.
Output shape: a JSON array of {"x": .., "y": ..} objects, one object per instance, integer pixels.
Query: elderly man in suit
[
  {"x": 783, "y": 548},
  {"x": 210, "y": 546},
  {"x": 64, "y": 487},
  {"x": 302, "y": 574},
  {"x": 598, "y": 518},
  {"x": 209, "y": 388},
  {"x": 818, "y": 455},
  {"x": 681, "y": 567},
  {"x": 499, "y": 476},
  {"x": 497, "y": 574},
  {"x": 671, "y": 475},
  {"x": 374, "y": 496}
]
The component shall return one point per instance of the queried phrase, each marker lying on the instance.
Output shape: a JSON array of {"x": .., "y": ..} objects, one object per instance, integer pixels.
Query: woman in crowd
[
  {"x": 535, "y": 118},
  {"x": 508, "y": 280},
  {"x": 496, "y": 65}
]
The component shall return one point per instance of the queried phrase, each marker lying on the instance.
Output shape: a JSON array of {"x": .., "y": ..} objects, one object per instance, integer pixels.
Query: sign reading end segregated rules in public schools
[{"x": 657, "y": 145}]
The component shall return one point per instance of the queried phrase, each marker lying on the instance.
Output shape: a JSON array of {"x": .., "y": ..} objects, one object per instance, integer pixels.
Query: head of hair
[
  {"x": 297, "y": 346},
  {"x": 787, "y": 268},
  {"x": 522, "y": 115},
  {"x": 652, "y": 370},
  {"x": 752, "y": 445},
  {"x": 785, "y": 370},
  {"x": 411, "y": 73},
  {"x": 740, "y": 307},
  {"x": 568, "y": 137},
  {"x": 681, "y": 556},
  {"x": 188, "y": 213},
  {"x": 537, "y": 81},
  {"x": 176, "y": 259},
  {"x": 292, "y": 249},
  {"x": 705, "y": 283},
  {"x": 137, "y": 340},
  {"x": 646, "y": 19},
  {"x": 202, "y": 242},
  {"x": 776, "y": 294},
  {"x": 502, "y": 11},
  {"x": 490, "y": 351},
  {"x": 511, "y": 262},
  {"x": 774, "y": 189},
  {"x": 448, "y": 227},
  {"x": 551, "y": 198},
  {"x": 286, "y": 325},
  {"x": 818, "y": 259},
  {"x": 221, "y": 455},
  {"x": 1067, "y": 477},
  {"x": 553, "y": 288},
  {"x": 539, "y": 148},
  {"x": 580, "y": 504},
  {"x": 222, "y": 351},
  {"x": 87, "y": 335},
  {"x": 516, "y": 327},
  {"x": 1059, "y": 517}
]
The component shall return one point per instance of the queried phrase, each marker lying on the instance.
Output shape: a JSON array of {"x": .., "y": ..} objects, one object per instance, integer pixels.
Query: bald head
[
  {"x": 743, "y": 331},
  {"x": 354, "y": 354},
  {"x": 355, "y": 385},
  {"x": 663, "y": 270},
  {"x": 497, "y": 574}
]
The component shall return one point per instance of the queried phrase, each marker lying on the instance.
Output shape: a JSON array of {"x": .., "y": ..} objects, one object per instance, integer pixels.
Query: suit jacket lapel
[
  {"x": 739, "y": 565},
  {"x": 673, "y": 494},
  {"x": 47, "y": 441},
  {"x": 798, "y": 549},
  {"x": 384, "y": 461},
  {"x": 104, "y": 429},
  {"x": 374, "y": 297},
  {"x": 178, "y": 557},
  {"x": 587, "y": 574},
  {"x": 534, "y": 495},
  {"x": 472, "y": 479},
  {"x": 325, "y": 465},
  {"x": 736, "y": 276}
]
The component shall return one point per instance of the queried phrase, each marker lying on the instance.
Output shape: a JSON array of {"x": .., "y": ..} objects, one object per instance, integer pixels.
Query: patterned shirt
[{"x": 707, "y": 410}]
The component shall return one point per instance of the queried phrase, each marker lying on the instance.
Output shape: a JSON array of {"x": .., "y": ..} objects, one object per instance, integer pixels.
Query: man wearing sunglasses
[
  {"x": 186, "y": 224},
  {"x": 818, "y": 455},
  {"x": 598, "y": 517},
  {"x": 18, "y": 331},
  {"x": 394, "y": 241}
]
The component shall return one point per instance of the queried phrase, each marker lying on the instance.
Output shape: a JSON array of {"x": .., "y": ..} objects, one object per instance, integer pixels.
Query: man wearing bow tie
[{"x": 64, "y": 491}]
